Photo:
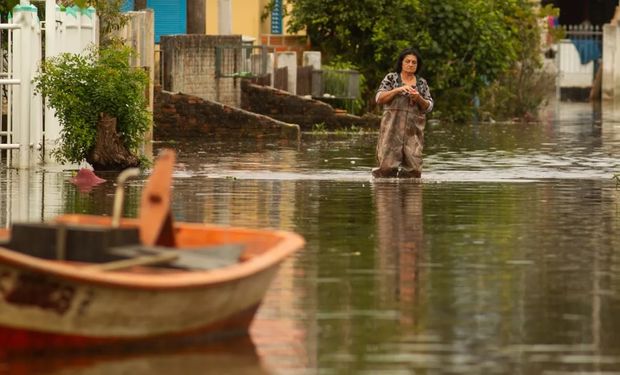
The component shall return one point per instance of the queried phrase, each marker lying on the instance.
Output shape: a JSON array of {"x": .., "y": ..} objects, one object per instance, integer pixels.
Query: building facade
[{"x": 223, "y": 17}]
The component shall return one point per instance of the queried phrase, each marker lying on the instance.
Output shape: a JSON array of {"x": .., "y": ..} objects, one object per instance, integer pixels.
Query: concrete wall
[
  {"x": 189, "y": 66},
  {"x": 611, "y": 62},
  {"x": 179, "y": 115},
  {"x": 294, "y": 109},
  {"x": 139, "y": 33}
]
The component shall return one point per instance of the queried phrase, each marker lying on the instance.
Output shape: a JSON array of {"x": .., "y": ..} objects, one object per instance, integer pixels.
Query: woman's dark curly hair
[{"x": 409, "y": 51}]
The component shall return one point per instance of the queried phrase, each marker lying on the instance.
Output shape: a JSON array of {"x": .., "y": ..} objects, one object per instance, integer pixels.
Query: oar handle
[{"x": 119, "y": 195}]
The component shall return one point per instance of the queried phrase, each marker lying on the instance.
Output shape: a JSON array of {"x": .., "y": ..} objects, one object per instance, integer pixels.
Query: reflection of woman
[
  {"x": 400, "y": 245},
  {"x": 406, "y": 99}
]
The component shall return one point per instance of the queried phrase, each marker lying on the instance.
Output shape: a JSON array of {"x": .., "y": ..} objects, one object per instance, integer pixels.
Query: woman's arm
[
  {"x": 421, "y": 102},
  {"x": 423, "y": 98},
  {"x": 389, "y": 89},
  {"x": 387, "y": 96}
]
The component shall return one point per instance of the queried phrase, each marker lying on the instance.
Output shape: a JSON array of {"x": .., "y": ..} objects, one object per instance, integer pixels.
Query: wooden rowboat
[{"x": 92, "y": 280}]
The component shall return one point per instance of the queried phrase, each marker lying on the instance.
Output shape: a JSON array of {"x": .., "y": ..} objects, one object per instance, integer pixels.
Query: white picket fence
[{"x": 31, "y": 128}]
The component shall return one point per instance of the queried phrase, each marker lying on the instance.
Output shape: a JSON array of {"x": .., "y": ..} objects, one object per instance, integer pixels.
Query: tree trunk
[
  {"x": 109, "y": 152},
  {"x": 139, "y": 5}
]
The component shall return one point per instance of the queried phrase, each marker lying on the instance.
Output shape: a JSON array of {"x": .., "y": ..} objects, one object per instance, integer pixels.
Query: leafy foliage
[
  {"x": 6, "y": 6},
  {"x": 519, "y": 91},
  {"x": 81, "y": 87},
  {"x": 466, "y": 44}
]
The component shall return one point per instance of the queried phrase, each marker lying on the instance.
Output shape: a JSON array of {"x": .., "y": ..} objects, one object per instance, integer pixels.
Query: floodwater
[{"x": 503, "y": 259}]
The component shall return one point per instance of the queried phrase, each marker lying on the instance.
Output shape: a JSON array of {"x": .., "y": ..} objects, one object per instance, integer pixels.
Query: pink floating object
[{"x": 85, "y": 179}]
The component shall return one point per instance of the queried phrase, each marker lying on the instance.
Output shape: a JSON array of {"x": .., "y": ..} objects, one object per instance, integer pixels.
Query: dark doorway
[{"x": 575, "y": 12}]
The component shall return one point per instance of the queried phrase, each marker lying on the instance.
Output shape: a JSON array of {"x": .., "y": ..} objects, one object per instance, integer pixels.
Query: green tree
[
  {"x": 466, "y": 44},
  {"x": 365, "y": 33},
  {"x": 6, "y": 6},
  {"x": 519, "y": 91}
]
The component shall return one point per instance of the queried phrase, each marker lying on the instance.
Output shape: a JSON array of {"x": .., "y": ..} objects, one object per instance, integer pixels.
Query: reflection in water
[
  {"x": 236, "y": 357},
  {"x": 399, "y": 243},
  {"x": 504, "y": 259}
]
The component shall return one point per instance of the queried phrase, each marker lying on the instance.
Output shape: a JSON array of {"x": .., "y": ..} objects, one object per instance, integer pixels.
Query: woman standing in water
[{"x": 406, "y": 99}]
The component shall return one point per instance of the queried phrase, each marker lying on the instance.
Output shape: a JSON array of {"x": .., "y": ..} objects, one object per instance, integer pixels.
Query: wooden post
[
  {"x": 139, "y": 5},
  {"x": 196, "y": 22}
]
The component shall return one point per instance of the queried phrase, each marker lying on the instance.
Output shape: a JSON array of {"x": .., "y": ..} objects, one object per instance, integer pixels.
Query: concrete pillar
[
  {"x": 139, "y": 32},
  {"x": 196, "y": 17},
  {"x": 611, "y": 58},
  {"x": 289, "y": 59},
  {"x": 312, "y": 58},
  {"x": 224, "y": 17},
  {"x": 270, "y": 65},
  {"x": 615, "y": 74},
  {"x": 609, "y": 50}
]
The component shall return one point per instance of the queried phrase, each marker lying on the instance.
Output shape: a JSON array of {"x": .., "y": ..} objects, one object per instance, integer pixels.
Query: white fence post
[
  {"x": 289, "y": 59},
  {"x": 88, "y": 27},
  {"x": 312, "y": 58},
  {"x": 26, "y": 57},
  {"x": 72, "y": 31},
  {"x": 8, "y": 79},
  {"x": 270, "y": 67},
  {"x": 53, "y": 34}
]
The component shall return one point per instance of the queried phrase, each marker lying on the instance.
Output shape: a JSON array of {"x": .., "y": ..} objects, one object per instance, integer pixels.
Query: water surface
[{"x": 503, "y": 259}]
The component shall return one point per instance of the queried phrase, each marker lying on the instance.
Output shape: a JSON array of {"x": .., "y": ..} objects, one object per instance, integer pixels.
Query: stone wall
[
  {"x": 294, "y": 109},
  {"x": 190, "y": 66},
  {"x": 179, "y": 115}
]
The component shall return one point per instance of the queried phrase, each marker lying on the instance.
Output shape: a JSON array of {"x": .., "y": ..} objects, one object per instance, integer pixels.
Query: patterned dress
[{"x": 401, "y": 137}]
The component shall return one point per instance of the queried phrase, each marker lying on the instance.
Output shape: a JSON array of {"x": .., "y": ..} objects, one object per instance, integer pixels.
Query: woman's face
[{"x": 410, "y": 64}]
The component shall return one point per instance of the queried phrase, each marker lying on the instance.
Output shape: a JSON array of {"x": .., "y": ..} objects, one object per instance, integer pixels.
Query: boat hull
[
  {"x": 19, "y": 340},
  {"x": 39, "y": 311},
  {"x": 47, "y": 303}
]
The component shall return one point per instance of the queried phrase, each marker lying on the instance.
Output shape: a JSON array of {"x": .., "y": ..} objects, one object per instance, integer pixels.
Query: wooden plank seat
[{"x": 204, "y": 258}]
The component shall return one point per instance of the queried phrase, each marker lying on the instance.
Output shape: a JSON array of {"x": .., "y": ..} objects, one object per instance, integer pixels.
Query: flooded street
[{"x": 504, "y": 259}]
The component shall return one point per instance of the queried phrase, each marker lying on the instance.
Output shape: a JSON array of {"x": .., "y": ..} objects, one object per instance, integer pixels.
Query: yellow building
[
  {"x": 244, "y": 17},
  {"x": 222, "y": 17}
]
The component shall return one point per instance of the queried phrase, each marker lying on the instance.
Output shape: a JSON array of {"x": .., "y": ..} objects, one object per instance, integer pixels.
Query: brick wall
[
  {"x": 283, "y": 43},
  {"x": 295, "y": 109},
  {"x": 181, "y": 115},
  {"x": 190, "y": 66}
]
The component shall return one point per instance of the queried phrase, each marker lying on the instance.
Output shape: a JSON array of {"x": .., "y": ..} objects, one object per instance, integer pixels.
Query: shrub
[{"x": 82, "y": 87}]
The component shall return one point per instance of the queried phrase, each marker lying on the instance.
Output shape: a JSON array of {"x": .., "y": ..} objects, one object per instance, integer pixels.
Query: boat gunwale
[{"x": 288, "y": 243}]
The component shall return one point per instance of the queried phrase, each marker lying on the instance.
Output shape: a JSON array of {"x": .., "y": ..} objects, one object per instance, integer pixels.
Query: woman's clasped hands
[{"x": 411, "y": 92}]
